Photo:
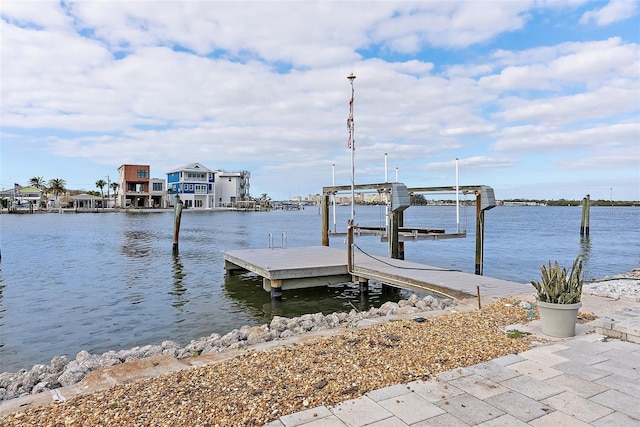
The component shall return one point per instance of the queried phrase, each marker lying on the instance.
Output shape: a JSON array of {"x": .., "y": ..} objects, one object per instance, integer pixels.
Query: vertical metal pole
[
  {"x": 386, "y": 170},
  {"x": 352, "y": 146},
  {"x": 333, "y": 182},
  {"x": 386, "y": 194},
  {"x": 350, "y": 246},
  {"x": 396, "y": 174},
  {"x": 457, "y": 199},
  {"x": 479, "y": 235}
]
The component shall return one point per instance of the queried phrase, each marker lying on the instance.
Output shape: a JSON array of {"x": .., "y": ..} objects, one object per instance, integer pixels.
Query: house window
[
  {"x": 198, "y": 203},
  {"x": 157, "y": 186},
  {"x": 143, "y": 173}
]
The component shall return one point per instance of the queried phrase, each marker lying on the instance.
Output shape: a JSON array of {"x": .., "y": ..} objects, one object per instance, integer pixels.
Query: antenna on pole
[{"x": 352, "y": 145}]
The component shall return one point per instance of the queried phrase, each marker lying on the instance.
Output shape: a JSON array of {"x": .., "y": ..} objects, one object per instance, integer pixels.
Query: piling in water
[
  {"x": 584, "y": 220},
  {"x": 176, "y": 224}
]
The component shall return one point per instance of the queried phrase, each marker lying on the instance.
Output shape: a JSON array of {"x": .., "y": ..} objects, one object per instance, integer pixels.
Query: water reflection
[
  {"x": 178, "y": 286},
  {"x": 585, "y": 254},
  {"x": 246, "y": 290},
  {"x": 137, "y": 244},
  {"x": 2, "y": 308}
]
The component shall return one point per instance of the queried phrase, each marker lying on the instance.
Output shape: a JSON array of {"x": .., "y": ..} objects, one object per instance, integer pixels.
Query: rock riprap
[
  {"x": 256, "y": 387},
  {"x": 63, "y": 372}
]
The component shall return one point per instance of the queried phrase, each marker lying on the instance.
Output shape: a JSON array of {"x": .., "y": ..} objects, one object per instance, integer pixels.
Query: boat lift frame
[{"x": 395, "y": 231}]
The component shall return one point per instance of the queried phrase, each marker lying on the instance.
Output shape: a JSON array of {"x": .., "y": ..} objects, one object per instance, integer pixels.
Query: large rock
[
  {"x": 279, "y": 323},
  {"x": 231, "y": 338},
  {"x": 388, "y": 307},
  {"x": 73, "y": 374},
  {"x": 257, "y": 335},
  {"x": 34, "y": 376},
  {"x": 57, "y": 364}
]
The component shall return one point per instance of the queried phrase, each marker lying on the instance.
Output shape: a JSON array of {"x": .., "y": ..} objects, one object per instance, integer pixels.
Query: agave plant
[{"x": 557, "y": 286}]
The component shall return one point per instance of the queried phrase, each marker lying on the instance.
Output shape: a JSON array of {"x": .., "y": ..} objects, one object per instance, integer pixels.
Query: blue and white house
[
  {"x": 202, "y": 188},
  {"x": 194, "y": 183}
]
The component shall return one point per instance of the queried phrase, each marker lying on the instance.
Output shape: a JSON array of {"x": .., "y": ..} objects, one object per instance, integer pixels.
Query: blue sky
[{"x": 536, "y": 99}]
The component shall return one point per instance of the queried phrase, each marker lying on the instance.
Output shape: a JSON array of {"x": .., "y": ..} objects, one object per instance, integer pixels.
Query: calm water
[{"x": 109, "y": 281}]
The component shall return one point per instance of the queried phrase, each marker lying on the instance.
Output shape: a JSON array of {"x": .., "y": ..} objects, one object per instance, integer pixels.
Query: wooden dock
[{"x": 303, "y": 267}]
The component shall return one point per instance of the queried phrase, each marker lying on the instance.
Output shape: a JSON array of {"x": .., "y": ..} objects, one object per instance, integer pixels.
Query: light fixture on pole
[{"x": 352, "y": 144}]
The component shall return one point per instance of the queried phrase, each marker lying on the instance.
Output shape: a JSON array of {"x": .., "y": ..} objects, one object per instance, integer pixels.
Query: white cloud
[
  {"x": 473, "y": 164},
  {"x": 49, "y": 14},
  {"x": 620, "y": 97},
  {"x": 450, "y": 24},
  {"x": 532, "y": 139},
  {"x": 468, "y": 130},
  {"x": 552, "y": 66},
  {"x": 614, "y": 11}
]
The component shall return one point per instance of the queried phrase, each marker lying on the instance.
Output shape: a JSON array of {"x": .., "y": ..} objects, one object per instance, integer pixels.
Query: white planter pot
[{"x": 558, "y": 320}]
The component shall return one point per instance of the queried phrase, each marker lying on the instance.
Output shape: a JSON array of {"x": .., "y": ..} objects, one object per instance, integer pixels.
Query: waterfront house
[
  {"x": 136, "y": 188},
  {"x": 202, "y": 188},
  {"x": 158, "y": 193},
  {"x": 232, "y": 188},
  {"x": 27, "y": 198},
  {"x": 194, "y": 184},
  {"x": 86, "y": 202}
]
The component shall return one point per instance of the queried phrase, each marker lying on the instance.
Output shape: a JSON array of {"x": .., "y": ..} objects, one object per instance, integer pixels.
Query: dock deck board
[{"x": 289, "y": 264}]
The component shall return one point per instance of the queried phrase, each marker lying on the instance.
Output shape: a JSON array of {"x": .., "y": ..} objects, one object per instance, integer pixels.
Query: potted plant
[{"x": 558, "y": 298}]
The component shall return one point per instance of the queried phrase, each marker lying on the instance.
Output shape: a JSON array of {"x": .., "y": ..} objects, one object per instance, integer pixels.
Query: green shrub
[{"x": 558, "y": 287}]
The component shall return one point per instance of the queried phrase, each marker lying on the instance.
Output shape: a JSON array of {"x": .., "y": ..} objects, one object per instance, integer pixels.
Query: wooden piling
[
  {"x": 479, "y": 235},
  {"x": 325, "y": 220},
  {"x": 392, "y": 235},
  {"x": 176, "y": 224},
  {"x": 584, "y": 220}
]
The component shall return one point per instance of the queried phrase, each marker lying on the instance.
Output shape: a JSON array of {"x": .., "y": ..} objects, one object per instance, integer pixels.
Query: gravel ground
[
  {"x": 259, "y": 386},
  {"x": 627, "y": 284}
]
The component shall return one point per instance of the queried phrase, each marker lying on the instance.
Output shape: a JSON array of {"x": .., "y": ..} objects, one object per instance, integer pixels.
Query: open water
[{"x": 109, "y": 281}]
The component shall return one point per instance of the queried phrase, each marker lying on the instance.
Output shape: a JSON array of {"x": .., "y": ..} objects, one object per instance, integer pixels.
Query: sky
[{"x": 537, "y": 99}]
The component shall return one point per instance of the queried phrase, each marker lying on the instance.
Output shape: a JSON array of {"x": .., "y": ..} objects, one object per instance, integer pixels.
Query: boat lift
[{"x": 395, "y": 232}]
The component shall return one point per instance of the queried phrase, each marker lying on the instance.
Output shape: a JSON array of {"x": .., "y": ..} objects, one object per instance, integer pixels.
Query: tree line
[{"x": 57, "y": 186}]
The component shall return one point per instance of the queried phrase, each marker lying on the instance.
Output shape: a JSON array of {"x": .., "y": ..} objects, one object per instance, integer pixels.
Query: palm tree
[
  {"x": 265, "y": 200},
  {"x": 56, "y": 186},
  {"x": 39, "y": 183},
  {"x": 101, "y": 184},
  {"x": 114, "y": 186}
]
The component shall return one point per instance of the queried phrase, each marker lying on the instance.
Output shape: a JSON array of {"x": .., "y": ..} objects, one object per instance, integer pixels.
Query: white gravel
[{"x": 626, "y": 285}]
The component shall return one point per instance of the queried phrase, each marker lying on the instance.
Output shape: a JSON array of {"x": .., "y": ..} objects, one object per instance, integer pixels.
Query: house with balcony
[
  {"x": 133, "y": 186},
  {"x": 158, "y": 193},
  {"x": 231, "y": 188},
  {"x": 194, "y": 183},
  {"x": 203, "y": 188},
  {"x": 21, "y": 198},
  {"x": 136, "y": 189}
]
